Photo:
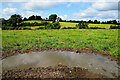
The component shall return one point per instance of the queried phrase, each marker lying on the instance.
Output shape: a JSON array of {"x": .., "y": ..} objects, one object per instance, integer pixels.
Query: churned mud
[
  {"x": 59, "y": 71},
  {"x": 82, "y": 50},
  {"x": 52, "y": 62}
]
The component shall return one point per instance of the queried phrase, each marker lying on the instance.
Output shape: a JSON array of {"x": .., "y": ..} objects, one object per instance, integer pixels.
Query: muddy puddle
[{"x": 93, "y": 62}]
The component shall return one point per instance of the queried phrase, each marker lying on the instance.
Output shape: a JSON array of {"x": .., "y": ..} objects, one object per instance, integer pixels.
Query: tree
[
  {"x": 53, "y": 17},
  {"x": 14, "y": 20},
  {"x": 38, "y": 18},
  {"x": 32, "y": 17},
  {"x": 59, "y": 19},
  {"x": 114, "y": 22},
  {"x": 25, "y": 19},
  {"x": 90, "y": 21},
  {"x": 82, "y": 25},
  {"x": 95, "y": 21},
  {"x": 2, "y": 21}
]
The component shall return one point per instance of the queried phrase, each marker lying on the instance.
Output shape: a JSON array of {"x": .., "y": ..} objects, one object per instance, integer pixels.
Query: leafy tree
[
  {"x": 25, "y": 19},
  {"x": 55, "y": 25},
  {"x": 32, "y": 17},
  {"x": 114, "y": 22},
  {"x": 38, "y": 18},
  {"x": 53, "y": 17},
  {"x": 14, "y": 20},
  {"x": 90, "y": 21},
  {"x": 82, "y": 25},
  {"x": 95, "y": 21},
  {"x": 59, "y": 19}
]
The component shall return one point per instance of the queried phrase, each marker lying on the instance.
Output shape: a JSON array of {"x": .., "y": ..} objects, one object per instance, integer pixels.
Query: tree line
[{"x": 17, "y": 20}]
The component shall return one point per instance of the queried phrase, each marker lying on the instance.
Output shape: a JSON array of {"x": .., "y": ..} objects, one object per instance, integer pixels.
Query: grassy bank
[{"x": 103, "y": 40}]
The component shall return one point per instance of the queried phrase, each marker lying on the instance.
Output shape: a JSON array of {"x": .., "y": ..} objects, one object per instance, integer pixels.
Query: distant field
[
  {"x": 107, "y": 26},
  {"x": 39, "y": 21},
  {"x": 71, "y": 24},
  {"x": 103, "y": 39},
  {"x": 67, "y": 24}
]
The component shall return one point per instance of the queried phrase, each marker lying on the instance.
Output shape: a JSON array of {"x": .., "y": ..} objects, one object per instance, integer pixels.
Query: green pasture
[{"x": 100, "y": 39}]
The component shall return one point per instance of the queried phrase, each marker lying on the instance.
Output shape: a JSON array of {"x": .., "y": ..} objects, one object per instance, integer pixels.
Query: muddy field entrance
[{"x": 95, "y": 63}]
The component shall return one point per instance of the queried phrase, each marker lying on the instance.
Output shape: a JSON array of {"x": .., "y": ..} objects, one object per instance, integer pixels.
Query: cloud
[
  {"x": 60, "y": 0},
  {"x": 64, "y": 17},
  {"x": 68, "y": 5},
  {"x": 7, "y": 12},
  {"x": 43, "y": 4},
  {"x": 9, "y": 4},
  {"x": 30, "y": 13},
  {"x": 105, "y": 6},
  {"x": 101, "y": 11},
  {"x": 38, "y": 5}
]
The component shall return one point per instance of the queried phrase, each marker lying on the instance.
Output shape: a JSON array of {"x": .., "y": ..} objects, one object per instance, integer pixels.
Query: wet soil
[
  {"x": 59, "y": 71},
  {"x": 33, "y": 49}
]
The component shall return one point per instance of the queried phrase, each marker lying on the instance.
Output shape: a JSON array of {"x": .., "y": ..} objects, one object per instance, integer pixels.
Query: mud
[
  {"x": 59, "y": 71},
  {"x": 33, "y": 49}
]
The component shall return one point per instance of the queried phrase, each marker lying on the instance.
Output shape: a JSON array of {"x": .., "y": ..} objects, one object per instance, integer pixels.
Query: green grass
[
  {"x": 67, "y": 24},
  {"x": 71, "y": 24},
  {"x": 39, "y": 21},
  {"x": 103, "y": 40},
  {"x": 107, "y": 26}
]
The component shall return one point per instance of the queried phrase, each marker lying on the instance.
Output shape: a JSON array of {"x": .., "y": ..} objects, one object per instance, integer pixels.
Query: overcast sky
[{"x": 73, "y": 9}]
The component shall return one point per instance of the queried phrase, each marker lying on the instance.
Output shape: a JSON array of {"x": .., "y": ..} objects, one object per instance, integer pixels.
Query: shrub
[
  {"x": 96, "y": 28},
  {"x": 26, "y": 28},
  {"x": 40, "y": 28},
  {"x": 82, "y": 25},
  {"x": 55, "y": 25},
  {"x": 44, "y": 23},
  {"x": 115, "y": 27},
  {"x": 69, "y": 28},
  {"x": 15, "y": 28}
]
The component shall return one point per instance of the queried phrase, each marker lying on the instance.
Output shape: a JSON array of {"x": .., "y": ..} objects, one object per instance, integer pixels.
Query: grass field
[
  {"x": 103, "y": 39},
  {"x": 39, "y": 21},
  {"x": 71, "y": 24}
]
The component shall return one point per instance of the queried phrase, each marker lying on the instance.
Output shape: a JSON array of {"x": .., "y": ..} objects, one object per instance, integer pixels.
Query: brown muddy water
[{"x": 93, "y": 62}]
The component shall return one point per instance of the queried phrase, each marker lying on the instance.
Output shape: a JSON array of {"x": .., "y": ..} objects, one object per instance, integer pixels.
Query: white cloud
[
  {"x": 101, "y": 11},
  {"x": 38, "y": 5},
  {"x": 9, "y": 4},
  {"x": 105, "y": 6},
  {"x": 30, "y": 13},
  {"x": 7, "y": 12},
  {"x": 68, "y": 5},
  {"x": 64, "y": 17},
  {"x": 60, "y": 0}
]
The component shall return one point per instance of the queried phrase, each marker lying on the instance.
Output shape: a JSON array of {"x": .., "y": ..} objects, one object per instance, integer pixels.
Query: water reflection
[{"x": 93, "y": 62}]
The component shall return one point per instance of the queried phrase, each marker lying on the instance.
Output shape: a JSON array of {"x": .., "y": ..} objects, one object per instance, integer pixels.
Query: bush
[
  {"x": 27, "y": 29},
  {"x": 40, "y": 28},
  {"x": 82, "y": 25},
  {"x": 69, "y": 28},
  {"x": 44, "y": 23},
  {"x": 55, "y": 25},
  {"x": 115, "y": 27},
  {"x": 15, "y": 28},
  {"x": 34, "y": 24},
  {"x": 96, "y": 28}
]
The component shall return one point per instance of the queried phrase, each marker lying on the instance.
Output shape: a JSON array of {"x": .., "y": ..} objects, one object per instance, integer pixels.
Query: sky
[{"x": 102, "y": 10}]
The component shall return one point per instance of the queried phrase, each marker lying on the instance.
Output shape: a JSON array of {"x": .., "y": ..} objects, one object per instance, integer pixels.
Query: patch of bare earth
[{"x": 59, "y": 71}]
